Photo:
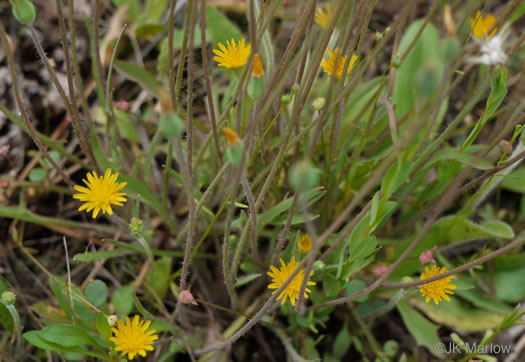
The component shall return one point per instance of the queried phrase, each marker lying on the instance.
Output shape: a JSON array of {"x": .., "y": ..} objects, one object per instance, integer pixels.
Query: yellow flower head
[
  {"x": 440, "y": 288},
  {"x": 257, "y": 69},
  {"x": 100, "y": 193},
  {"x": 233, "y": 57},
  {"x": 231, "y": 136},
  {"x": 481, "y": 25},
  {"x": 324, "y": 18},
  {"x": 305, "y": 243},
  {"x": 133, "y": 338},
  {"x": 280, "y": 276},
  {"x": 335, "y": 57}
]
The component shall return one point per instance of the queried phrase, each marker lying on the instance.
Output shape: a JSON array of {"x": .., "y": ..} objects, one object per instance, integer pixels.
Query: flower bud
[
  {"x": 318, "y": 265},
  {"x": 186, "y": 297},
  {"x": 304, "y": 176},
  {"x": 231, "y": 136},
  {"x": 165, "y": 101},
  {"x": 112, "y": 320},
  {"x": 427, "y": 256},
  {"x": 136, "y": 227},
  {"x": 319, "y": 103},
  {"x": 24, "y": 11},
  {"x": 286, "y": 99},
  {"x": 8, "y": 298}
]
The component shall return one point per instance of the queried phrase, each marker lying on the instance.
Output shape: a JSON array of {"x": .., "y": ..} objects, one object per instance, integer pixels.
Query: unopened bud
[
  {"x": 136, "y": 227},
  {"x": 319, "y": 265},
  {"x": 165, "y": 101},
  {"x": 8, "y": 298},
  {"x": 186, "y": 297},
  {"x": 319, "y": 103},
  {"x": 121, "y": 105},
  {"x": 304, "y": 176},
  {"x": 427, "y": 256},
  {"x": 112, "y": 320},
  {"x": 286, "y": 99},
  {"x": 448, "y": 21},
  {"x": 396, "y": 61},
  {"x": 231, "y": 136}
]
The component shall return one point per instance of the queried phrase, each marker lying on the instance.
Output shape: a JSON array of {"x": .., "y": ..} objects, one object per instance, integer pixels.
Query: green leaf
[
  {"x": 331, "y": 285},
  {"x": 158, "y": 277},
  {"x": 220, "y": 28},
  {"x": 67, "y": 336},
  {"x": 139, "y": 75},
  {"x": 361, "y": 248},
  {"x": 497, "y": 93},
  {"x": 246, "y": 279},
  {"x": 453, "y": 229},
  {"x": 94, "y": 256},
  {"x": 155, "y": 9},
  {"x": 424, "y": 331},
  {"x": 122, "y": 300},
  {"x": 356, "y": 286},
  {"x": 103, "y": 327},
  {"x": 269, "y": 216},
  {"x": 514, "y": 181},
  {"x": 134, "y": 6},
  {"x": 424, "y": 52},
  {"x": 96, "y": 292},
  {"x": 149, "y": 30},
  {"x": 465, "y": 158},
  {"x": 459, "y": 316},
  {"x": 37, "y": 174},
  {"x": 342, "y": 343},
  {"x": 35, "y": 339},
  {"x": 57, "y": 289}
]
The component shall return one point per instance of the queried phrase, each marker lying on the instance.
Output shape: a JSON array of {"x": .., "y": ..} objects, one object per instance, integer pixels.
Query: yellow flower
[
  {"x": 305, "y": 243},
  {"x": 280, "y": 276},
  {"x": 132, "y": 338},
  {"x": 335, "y": 57},
  {"x": 100, "y": 193},
  {"x": 324, "y": 18},
  {"x": 231, "y": 136},
  {"x": 233, "y": 57},
  {"x": 258, "y": 69},
  {"x": 481, "y": 25},
  {"x": 440, "y": 288}
]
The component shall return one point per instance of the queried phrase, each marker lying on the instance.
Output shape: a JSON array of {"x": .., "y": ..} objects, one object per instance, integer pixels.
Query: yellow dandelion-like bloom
[
  {"x": 481, "y": 25},
  {"x": 305, "y": 243},
  {"x": 280, "y": 276},
  {"x": 324, "y": 18},
  {"x": 257, "y": 69},
  {"x": 440, "y": 288},
  {"x": 234, "y": 56},
  {"x": 231, "y": 136},
  {"x": 133, "y": 337},
  {"x": 100, "y": 193},
  {"x": 335, "y": 57}
]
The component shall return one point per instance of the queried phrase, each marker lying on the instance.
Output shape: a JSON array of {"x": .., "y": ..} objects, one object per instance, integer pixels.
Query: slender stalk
[
  {"x": 209, "y": 94},
  {"x": 71, "y": 103},
  {"x": 21, "y": 109}
]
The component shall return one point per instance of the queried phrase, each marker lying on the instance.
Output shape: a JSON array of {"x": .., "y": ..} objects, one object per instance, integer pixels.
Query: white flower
[{"x": 491, "y": 49}]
